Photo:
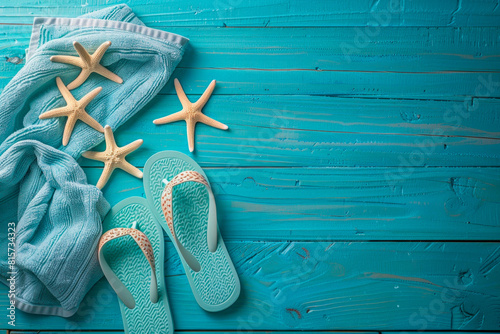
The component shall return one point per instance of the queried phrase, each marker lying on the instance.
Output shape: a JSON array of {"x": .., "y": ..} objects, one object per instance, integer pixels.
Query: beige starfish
[
  {"x": 191, "y": 113},
  {"x": 114, "y": 157},
  {"x": 88, "y": 63},
  {"x": 74, "y": 110}
]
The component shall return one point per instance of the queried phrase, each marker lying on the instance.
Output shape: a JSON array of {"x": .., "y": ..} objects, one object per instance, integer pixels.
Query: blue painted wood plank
[
  {"x": 418, "y": 50},
  {"x": 199, "y": 332},
  {"x": 323, "y": 131},
  {"x": 388, "y": 283},
  {"x": 379, "y": 69},
  {"x": 441, "y": 86},
  {"x": 368, "y": 140},
  {"x": 345, "y": 203},
  {"x": 357, "y": 84},
  {"x": 272, "y": 13},
  {"x": 326, "y": 286}
]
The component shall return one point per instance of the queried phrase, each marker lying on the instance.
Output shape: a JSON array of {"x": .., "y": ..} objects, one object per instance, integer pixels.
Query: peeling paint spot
[
  {"x": 308, "y": 255},
  {"x": 292, "y": 310},
  {"x": 466, "y": 316},
  {"x": 287, "y": 248},
  {"x": 248, "y": 182},
  {"x": 403, "y": 278},
  {"x": 410, "y": 117},
  {"x": 14, "y": 60},
  {"x": 329, "y": 246},
  {"x": 464, "y": 200},
  {"x": 129, "y": 189},
  {"x": 491, "y": 262},
  {"x": 337, "y": 270},
  {"x": 465, "y": 277}
]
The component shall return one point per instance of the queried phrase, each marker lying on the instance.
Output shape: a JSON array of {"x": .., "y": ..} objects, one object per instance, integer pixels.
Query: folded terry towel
[{"x": 42, "y": 188}]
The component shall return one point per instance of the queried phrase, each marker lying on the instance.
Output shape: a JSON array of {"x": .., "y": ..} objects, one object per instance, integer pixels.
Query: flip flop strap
[
  {"x": 166, "y": 204},
  {"x": 145, "y": 245}
]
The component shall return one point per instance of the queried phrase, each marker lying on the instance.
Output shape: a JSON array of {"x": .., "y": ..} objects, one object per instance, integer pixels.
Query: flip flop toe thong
[
  {"x": 131, "y": 257},
  {"x": 181, "y": 198}
]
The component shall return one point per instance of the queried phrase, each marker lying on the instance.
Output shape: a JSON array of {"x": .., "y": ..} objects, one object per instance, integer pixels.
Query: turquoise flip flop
[
  {"x": 180, "y": 196},
  {"x": 131, "y": 257}
]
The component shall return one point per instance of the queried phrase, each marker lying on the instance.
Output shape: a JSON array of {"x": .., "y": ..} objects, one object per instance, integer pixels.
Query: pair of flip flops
[{"x": 131, "y": 250}]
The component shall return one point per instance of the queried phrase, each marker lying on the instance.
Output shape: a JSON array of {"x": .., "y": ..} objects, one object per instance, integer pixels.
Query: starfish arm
[
  {"x": 68, "y": 97},
  {"x": 68, "y": 129},
  {"x": 97, "y": 55},
  {"x": 106, "y": 173},
  {"x": 83, "y": 53},
  {"x": 178, "y": 116},
  {"x": 131, "y": 169},
  {"x": 80, "y": 79},
  {"x": 130, "y": 147},
  {"x": 87, "y": 119},
  {"x": 107, "y": 73},
  {"x": 76, "y": 61},
  {"x": 89, "y": 97},
  {"x": 109, "y": 137},
  {"x": 93, "y": 155},
  {"x": 212, "y": 122},
  {"x": 206, "y": 95},
  {"x": 58, "y": 112},
  {"x": 180, "y": 93},
  {"x": 190, "y": 125}
]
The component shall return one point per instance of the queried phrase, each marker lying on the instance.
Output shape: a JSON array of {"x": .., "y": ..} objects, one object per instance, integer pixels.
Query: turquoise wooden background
[{"x": 359, "y": 183}]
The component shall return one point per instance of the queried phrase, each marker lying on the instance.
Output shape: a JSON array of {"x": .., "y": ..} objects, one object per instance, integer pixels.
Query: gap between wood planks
[
  {"x": 254, "y": 331},
  {"x": 265, "y": 331},
  {"x": 319, "y": 167}
]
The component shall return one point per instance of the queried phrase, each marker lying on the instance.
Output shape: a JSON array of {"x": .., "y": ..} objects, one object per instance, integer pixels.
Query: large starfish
[
  {"x": 114, "y": 157},
  {"x": 74, "y": 110},
  {"x": 191, "y": 113},
  {"x": 88, "y": 63}
]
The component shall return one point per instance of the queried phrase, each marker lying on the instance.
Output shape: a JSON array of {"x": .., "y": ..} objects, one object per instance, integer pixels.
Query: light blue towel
[{"x": 42, "y": 188}]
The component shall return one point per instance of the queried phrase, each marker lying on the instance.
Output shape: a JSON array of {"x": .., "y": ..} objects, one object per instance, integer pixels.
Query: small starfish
[
  {"x": 191, "y": 113},
  {"x": 88, "y": 63},
  {"x": 114, "y": 157},
  {"x": 74, "y": 110}
]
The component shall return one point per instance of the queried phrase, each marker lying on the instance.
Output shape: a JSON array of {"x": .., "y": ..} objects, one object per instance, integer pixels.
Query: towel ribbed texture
[{"x": 43, "y": 190}]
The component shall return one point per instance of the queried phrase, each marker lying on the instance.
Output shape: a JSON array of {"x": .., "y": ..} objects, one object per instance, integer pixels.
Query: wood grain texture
[
  {"x": 443, "y": 63},
  {"x": 271, "y": 13},
  {"x": 324, "y": 131},
  {"x": 362, "y": 84},
  {"x": 324, "y": 285},
  {"x": 195, "y": 332},
  {"x": 352, "y": 123},
  {"x": 199, "y": 332},
  {"x": 419, "y": 49},
  {"x": 436, "y": 86},
  {"x": 346, "y": 203}
]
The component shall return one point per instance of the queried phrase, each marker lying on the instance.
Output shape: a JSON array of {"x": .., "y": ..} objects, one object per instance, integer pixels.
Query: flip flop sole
[
  {"x": 132, "y": 268},
  {"x": 216, "y": 286}
]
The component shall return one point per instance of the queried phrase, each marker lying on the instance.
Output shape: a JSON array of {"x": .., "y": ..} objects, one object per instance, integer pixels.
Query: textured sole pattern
[
  {"x": 215, "y": 283},
  {"x": 131, "y": 266}
]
